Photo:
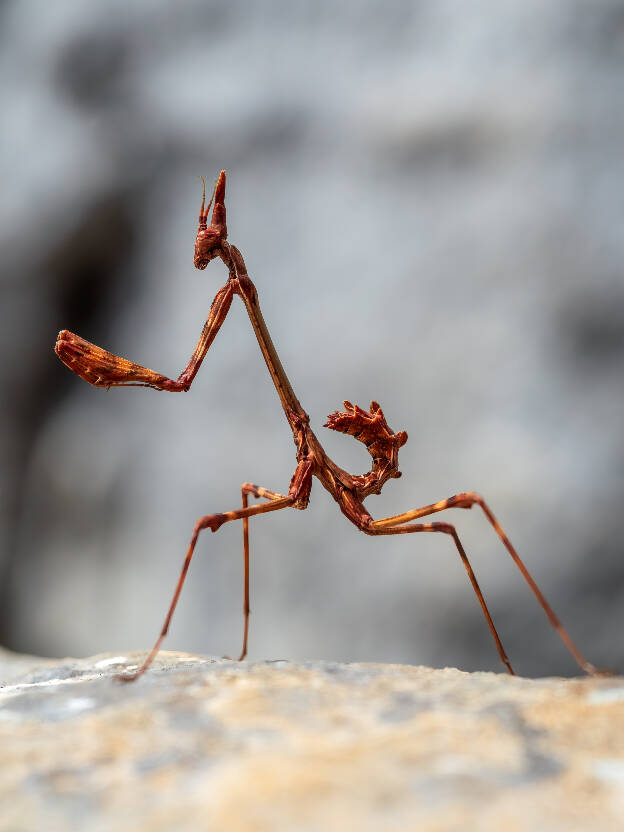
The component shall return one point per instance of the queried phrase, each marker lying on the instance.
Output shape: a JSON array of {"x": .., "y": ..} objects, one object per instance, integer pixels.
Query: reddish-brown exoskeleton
[{"x": 103, "y": 369}]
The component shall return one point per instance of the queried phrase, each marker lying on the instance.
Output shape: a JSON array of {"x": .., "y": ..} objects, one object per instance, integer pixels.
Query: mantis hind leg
[
  {"x": 447, "y": 528},
  {"x": 401, "y": 523}
]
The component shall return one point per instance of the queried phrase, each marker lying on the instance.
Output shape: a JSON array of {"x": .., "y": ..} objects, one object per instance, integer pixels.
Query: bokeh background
[{"x": 430, "y": 199}]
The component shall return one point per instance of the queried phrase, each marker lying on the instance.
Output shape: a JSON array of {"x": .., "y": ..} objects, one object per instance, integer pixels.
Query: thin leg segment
[
  {"x": 213, "y": 522},
  {"x": 446, "y": 528},
  {"x": 466, "y": 500},
  {"x": 257, "y": 490}
]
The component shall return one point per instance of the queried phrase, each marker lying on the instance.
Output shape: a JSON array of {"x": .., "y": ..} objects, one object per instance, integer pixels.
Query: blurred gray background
[{"x": 430, "y": 199}]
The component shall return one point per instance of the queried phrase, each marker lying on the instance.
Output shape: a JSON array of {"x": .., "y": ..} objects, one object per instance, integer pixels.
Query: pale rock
[{"x": 210, "y": 744}]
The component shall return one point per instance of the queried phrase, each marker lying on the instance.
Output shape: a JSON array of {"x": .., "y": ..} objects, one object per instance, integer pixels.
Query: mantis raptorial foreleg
[{"x": 104, "y": 369}]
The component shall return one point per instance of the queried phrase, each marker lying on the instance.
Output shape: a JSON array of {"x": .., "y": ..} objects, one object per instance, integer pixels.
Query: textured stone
[{"x": 202, "y": 743}]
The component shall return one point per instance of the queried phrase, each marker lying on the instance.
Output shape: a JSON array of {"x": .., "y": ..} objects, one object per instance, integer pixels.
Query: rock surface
[{"x": 203, "y": 743}]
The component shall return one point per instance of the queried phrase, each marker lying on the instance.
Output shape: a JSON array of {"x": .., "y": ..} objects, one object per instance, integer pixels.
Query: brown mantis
[{"x": 103, "y": 369}]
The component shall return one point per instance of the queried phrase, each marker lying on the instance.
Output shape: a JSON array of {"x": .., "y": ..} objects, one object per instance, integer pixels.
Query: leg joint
[
  {"x": 210, "y": 521},
  {"x": 464, "y": 500},
  {"x": 445, "y": 528},
  {"x": 250, "y": 488}
]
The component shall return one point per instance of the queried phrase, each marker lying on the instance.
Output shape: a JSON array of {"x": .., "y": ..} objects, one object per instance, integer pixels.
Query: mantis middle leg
[
  {"x": 214, "y": 523},
  {"x": 297, "y": 496},
  {"x": 257, "y": 491}
]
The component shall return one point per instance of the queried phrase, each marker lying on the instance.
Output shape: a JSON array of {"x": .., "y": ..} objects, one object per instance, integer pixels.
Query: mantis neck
[
  {"x": 296, "y": 415},
  {"x": 334, "y": 478}
]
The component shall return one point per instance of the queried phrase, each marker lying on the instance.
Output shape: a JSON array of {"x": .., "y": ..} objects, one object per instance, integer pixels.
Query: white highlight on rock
[
  {"x": 72, "y": 680},
  {"x": 606, "y": 696},
  {"x": 113, "y": 660},
  {"x": 609, "y": 770},
  {"x": 80, "y": 703}
]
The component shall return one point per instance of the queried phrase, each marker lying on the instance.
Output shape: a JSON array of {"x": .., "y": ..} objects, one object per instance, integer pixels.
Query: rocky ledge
[{"x": 210, "y": 744}]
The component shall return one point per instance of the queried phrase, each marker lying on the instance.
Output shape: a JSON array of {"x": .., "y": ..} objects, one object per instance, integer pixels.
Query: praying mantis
[{"x": 103, "y": 369}]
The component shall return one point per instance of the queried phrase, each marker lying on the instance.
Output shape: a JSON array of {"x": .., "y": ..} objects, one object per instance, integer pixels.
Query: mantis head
[{"x": 210, "y": 237}]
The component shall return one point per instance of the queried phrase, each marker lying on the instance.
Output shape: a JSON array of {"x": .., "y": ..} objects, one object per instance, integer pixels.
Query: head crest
[{"x": 210, "y": 237}]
